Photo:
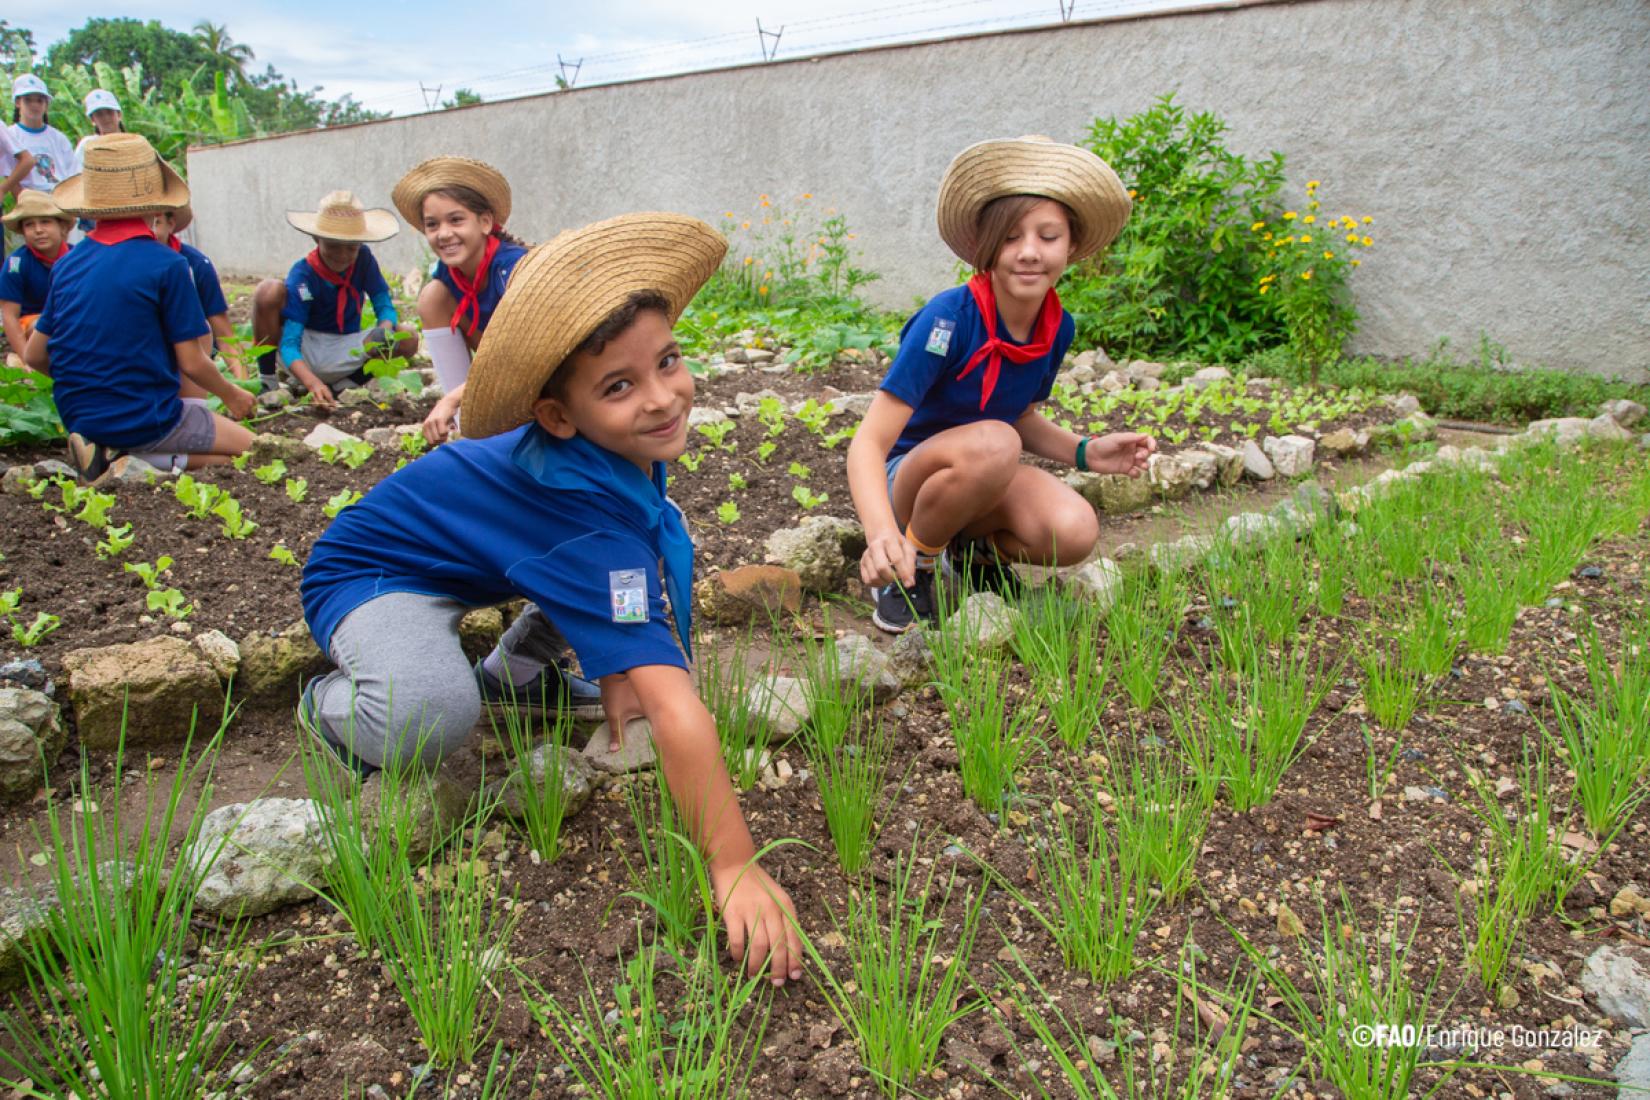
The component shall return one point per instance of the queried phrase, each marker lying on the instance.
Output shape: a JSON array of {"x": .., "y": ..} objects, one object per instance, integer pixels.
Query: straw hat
[
  {"x": 182, "y": 218},
  {"x": 34, "y": 204},
  {"x": 340, "y": 217},
  {"x": 1032, "y": 165},
  {"x": 121, "y": 176},
  {"x": 439, "y": 172},
  {"x": 563, "y": 289}
]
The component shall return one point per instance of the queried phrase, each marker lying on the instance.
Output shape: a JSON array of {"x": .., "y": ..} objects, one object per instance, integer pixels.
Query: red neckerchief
[
  {"x": 344, "y": 283},
  {"x": 174, "y": 244},
  {"x": 994, "y": 350},
  {"x": 49, "y": 260},
  {"x": 116, "y": 230},
  {"x": 471, "y": 292}
]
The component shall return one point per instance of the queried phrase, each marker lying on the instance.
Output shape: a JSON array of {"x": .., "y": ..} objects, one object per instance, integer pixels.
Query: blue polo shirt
[
  {"x": 205, "y": 278},
  {"x": 112, "y": 315},
  {"x": 25, "y": 280},
  {"x": 566, "y": 524},
  {"x": 312, "y": 302},
  {"x": 498, "y": 277},
  {"x": 927, "y": 380}
]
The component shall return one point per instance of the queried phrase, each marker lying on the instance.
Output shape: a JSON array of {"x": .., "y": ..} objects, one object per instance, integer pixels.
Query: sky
[{"x": 406, "y": 56}]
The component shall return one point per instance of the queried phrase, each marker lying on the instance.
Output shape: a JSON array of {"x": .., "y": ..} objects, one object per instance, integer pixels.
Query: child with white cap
[
  {"x": 104, "y": 113},
  {"x": 54, "y": 158}
]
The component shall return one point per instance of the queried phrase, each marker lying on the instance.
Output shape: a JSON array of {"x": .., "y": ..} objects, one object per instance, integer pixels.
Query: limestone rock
[
  {"x": 1417, "y": 427},
  {"x": 1308, "y": 504},
  {"x": 1228, "y": 462},
  {"x": 1207, "y": 377},
  {"x": 1099, "y": 580},
  {"x": 28, "y": 673},
  {"x": 1344, "y": 441},
  {"x": 273, "y": 664},
  {"x": 160, "y": 685},
  {"x": 1622, "y": 411},
  {"x": 910, "y": 660},
  {"x": 267, "y": 446},
  {"x": 751, "y": 402},
  {"x": 636, "y": 752},
  {"x": 749, "y": 593},
  {"x": 1404, "y": 404},
  {"x": 1251, "y": 528},
  {"x": 30, "y": 737},
  {"x": 704, "y": 414},
  {"x": 577, "y": 772},
  {"x": 17, "y": 479},
  {"x": 324, "y": 433},
  {"x": 1618, "y": 981},
  {"x": 1288, "y": 923},
  {"x": 1606, "y": 429},
  {"x": 823, "y": 550},
  {"x": 1113, "y": 381},
  {"x": 275, "y": 398},
  {"x": 1633, "y": 1071},
  {"x": 1181, "y": 554},
  {"x": 852, "y": 404},
  {"x": 272, "y": 851},
  {"x": 985, "y": 620},
  {"x": 1291, "y": 455},
  {"x": 782, "y": 703},
  {"x": 24, "y": 920},
  {"x": 220, "y": 652},
  {"x": 390, "y": 438},
  {"x": 1256, "y": 465},
  {"x": 1173, "y": 476},
  {"x": 1111, "y": 493},
  {"x": 1143, "y": 368},
  {"x": 1566, "y": 431},
  {"x": 861, "y": 664},
  {"x": 132, "y": 470}
]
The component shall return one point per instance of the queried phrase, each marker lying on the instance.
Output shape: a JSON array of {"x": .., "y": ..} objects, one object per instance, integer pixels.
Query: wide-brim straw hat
[
  {"x": 1032, "y": 165},
  {"x": 563, "y": 289},
  {"x": 339, "y": 216},
  {"x": 34, "y": 204},
  {"x": 439, "y": 172},
  {"x": 121, "y": 176},
  {"x": 181, "y": 218}
]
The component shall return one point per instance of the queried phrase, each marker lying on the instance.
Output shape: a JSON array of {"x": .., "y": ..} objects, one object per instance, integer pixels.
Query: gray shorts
[
  {"x": 194, "y": 433},
  {"x": 335, "y": 356},
  {"x": 892, "y": 468}
]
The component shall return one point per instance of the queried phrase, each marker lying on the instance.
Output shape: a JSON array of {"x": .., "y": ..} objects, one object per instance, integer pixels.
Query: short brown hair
[
  {"x": 612, "y": 326},
  {"x": 998, "y": 219}
]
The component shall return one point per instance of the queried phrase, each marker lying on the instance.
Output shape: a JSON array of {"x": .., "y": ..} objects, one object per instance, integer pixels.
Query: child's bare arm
[
  {"x": 1115, "y": 453},
  {"x": 36, "y": 355},
  {"x": 760, "y": 919},
  {"x": 887, "y": 553},
  {"x": 1046, "y": 439},
  {"x": 24, "y": 165},
  {"x": 11, "y": 313},
  {"x": 199, "y": 369}
]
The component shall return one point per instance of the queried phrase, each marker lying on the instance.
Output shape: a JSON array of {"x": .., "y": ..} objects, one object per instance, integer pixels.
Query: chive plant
[
  {"x": 668, "y": 874},
  {"x": 1392, "y": 688},
  {"x": 112, "y": 1015},
  {"x": 995, "y": 732},
  {"x": 1607, "y": 737},
  {"x": 725, "y": 681},
  {"x": 537, "y": 744},
  {"x": 1141, "y": 628},
  {"x": 898, "y": 996},
  {"x": 1058, "y": 639},
  {"x": 1162, "y": 812},
  {"x": 850, "y": 774}
]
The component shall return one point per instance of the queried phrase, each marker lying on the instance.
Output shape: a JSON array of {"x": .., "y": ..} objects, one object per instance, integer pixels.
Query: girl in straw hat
[
  {"x": 28, "y": 271},
  {"x": 168, "y": 224},
  {"x": 461, "y": 206},
  {"x": 32, "y": 129},
  {"x": 936, "y": 461},
  {"x": 120, "y": 334},
  {"x": 314, "y": 317},
  {"x": 576, "y": 400}
]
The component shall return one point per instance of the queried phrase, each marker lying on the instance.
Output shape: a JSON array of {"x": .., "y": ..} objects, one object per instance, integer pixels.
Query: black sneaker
[
  {"x": 91, "y": 461},
  {"x": 899, "y": 608},
  {"x": 980, "y": 566},
  {"x": 309, "y": 722},
  {"x": 553, "y": 689}
]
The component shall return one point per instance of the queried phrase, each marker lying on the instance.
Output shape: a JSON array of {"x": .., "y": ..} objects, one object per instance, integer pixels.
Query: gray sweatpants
[{"x": 403, "y": 681}]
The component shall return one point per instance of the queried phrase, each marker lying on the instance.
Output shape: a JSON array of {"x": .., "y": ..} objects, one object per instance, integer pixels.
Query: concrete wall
[{"x": 1503, "y": 149}]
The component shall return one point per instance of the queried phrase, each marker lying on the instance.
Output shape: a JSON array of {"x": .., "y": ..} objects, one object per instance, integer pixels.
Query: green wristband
[{"x": 1082, "y": 460}]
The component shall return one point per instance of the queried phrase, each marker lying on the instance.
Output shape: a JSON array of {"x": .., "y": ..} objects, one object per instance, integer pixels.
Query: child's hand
[
  {"x": 1120, "y": 453},
  {"x": 761, "y": 922},
  {"x": 239, "y": 403},
  {"x": 321, "y": 394},
  {"x": 442, "y": 419},
  {"x": 886, "y": 558}
]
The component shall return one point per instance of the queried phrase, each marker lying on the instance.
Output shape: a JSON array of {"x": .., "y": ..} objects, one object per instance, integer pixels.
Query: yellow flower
[
  {"x": 744, "y": 225},
  {"x": 1311, "y": 185},
  {"x": 1328, "y": 255},
  {"x": 727, "y": 214},
  {"x": 763, "y": 289},
  {"x": 1133, "y": 193},
  {"x": 1306, "y": 274},
  {"x": 1368, "y": 241},
  {"x": 749, "y": 260},
  {"x": 1310, "y": 218},
  {"x": 1313, "y": 205},
  {"x": 1264, "y": 289},
  {"x": 1257, "y": 227},
  {"x": 764, "y": 198},
  {"x": 1306, "y": 238},
  {"x": 1288, "y": 215},
  {"x": 807, "y": 194},
  {"x": 1355, "y": 263},
  {"x": 1267, "y": 237},
  {"x": 1267, "y": 278},
  {"x": 1368, "y": 219},
  {"x": 1351, "y": 238},
  {"x": 767, "y": 275}
]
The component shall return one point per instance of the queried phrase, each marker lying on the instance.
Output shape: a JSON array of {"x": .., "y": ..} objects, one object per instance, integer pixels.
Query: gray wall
[{"x": 1503, "y": 149}]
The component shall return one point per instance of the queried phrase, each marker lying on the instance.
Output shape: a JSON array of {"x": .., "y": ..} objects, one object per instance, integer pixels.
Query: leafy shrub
[{"x": 27, "y": 414}]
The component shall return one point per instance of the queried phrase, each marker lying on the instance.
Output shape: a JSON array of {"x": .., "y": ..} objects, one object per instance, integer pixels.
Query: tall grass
[
  {"x": 537, "y": 744},
  {"x": 850, "y": 775},
  {"x": 1141, "y": 629},
  {"x": 1059, "y": 641},
  {"x": 109, "y": 1013},
  {"x": 1607, "y": 738},
  {"x": 1162, "y": 811},
  {"x": 995, "y": 733}
]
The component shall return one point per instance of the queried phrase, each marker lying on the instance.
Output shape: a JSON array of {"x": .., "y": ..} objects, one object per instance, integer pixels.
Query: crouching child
[{"x": 573, "y": 405}]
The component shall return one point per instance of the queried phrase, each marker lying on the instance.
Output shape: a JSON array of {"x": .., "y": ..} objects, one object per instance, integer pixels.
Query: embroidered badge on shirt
[
  {"x": 627, "y": 590},
  {"x": 939, "y": 337},
  {"x": 17, "y": 265},
  {"x": 305, "y": 293}
]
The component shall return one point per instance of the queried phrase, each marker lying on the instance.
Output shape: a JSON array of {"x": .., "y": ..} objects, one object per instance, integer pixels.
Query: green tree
[
  {"x": 167, "y": 57},
  {"x": 229, "y": 56},
  {"x": 15, "y": 43},
  {"x": 463, "y": 97}
]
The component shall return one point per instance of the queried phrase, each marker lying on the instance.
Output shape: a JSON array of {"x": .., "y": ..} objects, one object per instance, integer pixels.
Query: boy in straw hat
[
  {"x": 168, "y": 225},
  {"x": 120, "y": 333},
  {"x": 936, "y": 461},
  {"x": 314, "y": 318},
  {"x": 575, "y": 401},
  {"x": 27, "y": 274}
]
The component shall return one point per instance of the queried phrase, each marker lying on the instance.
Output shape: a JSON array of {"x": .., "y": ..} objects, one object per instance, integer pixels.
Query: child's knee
[
  {"x": 989, "y": 447},
  {"x": 1074, "y": 529},
  {"x": 270, "y": 294},
  {"x": 436, "y": 305},
  {"x": 432, "y": 721}
]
